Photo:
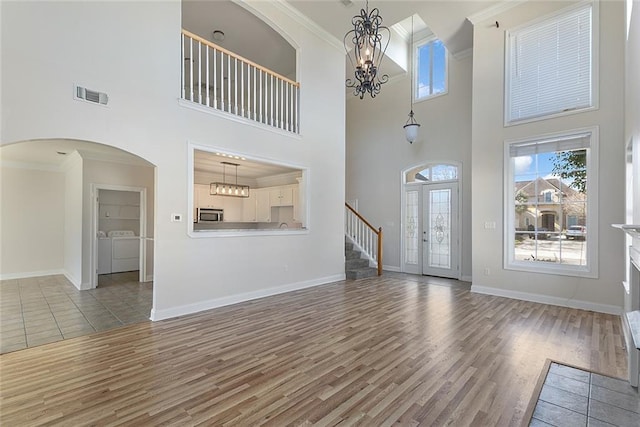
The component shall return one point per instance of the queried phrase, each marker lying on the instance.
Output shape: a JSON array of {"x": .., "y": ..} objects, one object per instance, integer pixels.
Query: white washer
[{"x": 125, "y": 251}]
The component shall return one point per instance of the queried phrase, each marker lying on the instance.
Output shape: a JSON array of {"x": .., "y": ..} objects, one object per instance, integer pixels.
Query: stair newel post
[{"x": 380, "y": 251}]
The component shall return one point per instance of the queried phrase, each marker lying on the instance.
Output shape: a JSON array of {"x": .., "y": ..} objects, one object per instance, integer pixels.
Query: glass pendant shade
[{"x": 411, "y": 128}]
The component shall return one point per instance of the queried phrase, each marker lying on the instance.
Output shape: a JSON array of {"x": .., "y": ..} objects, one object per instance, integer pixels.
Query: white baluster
[
  {"x": 229, "y": 83},
  {"x": 207, "y": 71},
  {"x": 235, "y": 87},
  {"x": 242, "y": 88},
  {"x": 183, "y": 70},
  {"x": 215, "y": 79},
  {"x": 261, "y": 91},
  {"x": 271, "y": 109},
  {"x": 190, "y": 69},
  {"x": 297, "y": 110},
  {"x": 199, "y": 72},
  {"x": 255, "y": 112},
  {"x": 222, "y": 80}
]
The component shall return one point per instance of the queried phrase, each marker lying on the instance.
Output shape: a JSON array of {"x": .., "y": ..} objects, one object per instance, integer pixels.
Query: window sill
[
  {"x": 430, "y": 97},
  {"x": 554, "y": 269},
  {"x": 517, "y": 122}
]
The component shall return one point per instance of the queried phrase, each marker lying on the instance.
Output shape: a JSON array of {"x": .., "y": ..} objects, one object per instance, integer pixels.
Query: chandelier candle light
[
  {"x": 411, "y": 127},
  {"x": 365, "y": 46},
  {"x": 227, "y": 189}
]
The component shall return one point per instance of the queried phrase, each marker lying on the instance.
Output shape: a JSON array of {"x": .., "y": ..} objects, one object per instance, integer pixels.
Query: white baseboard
[
  {"x": 546, "y": 299},
  {"x": 149, "y": 278},
  {"x": 182, "y": 310},
  {"x": 25, "y": 275},
  {"x": 391, "y": 268},
  {"x": 466, "y": 278},
  {"x": 76, "y": 282}
]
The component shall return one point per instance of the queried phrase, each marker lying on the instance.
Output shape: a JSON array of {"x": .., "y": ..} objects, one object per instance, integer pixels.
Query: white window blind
[
  {"x": 566, "y": 143},
  {"x": 550, "y": 66}
]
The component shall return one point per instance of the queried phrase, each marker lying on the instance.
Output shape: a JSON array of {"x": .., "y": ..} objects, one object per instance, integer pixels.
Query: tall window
[
  {"x": 550, "y": 66},
  {"x": 431, "y": 64},
  {"x": 551, "y": 207}
]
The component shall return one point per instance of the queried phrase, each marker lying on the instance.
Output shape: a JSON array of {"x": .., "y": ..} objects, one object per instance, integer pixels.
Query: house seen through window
[{"x": 549, "y": 204}]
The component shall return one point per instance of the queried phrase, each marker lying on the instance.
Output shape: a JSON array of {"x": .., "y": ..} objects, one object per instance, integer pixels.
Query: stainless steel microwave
[{"x": 210, "y": 215}]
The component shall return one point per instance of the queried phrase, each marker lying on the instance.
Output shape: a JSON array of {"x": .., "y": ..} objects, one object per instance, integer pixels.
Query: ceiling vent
[{"x": 91, "y": 95}]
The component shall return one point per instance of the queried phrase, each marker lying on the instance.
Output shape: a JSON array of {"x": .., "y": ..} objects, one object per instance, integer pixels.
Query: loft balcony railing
[{"x": 217, "y": 78}]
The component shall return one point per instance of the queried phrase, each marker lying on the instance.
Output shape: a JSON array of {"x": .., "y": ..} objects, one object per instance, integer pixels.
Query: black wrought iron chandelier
[{"x": 365, "y": 46}]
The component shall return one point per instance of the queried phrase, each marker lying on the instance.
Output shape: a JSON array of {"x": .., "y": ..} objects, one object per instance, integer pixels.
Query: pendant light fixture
[
  {"x": 411, "y": 127},
  {"x": 365, "y": 45},
  {"x": 227, "y": 189}
]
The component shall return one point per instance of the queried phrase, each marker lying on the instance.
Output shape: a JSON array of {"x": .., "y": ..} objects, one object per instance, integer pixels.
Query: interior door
[{"x": 440, "y": 254}]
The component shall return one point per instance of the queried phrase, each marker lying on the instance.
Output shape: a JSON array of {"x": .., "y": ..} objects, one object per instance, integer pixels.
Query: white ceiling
[
  {"x": 245, "y": 33},
  {"x": 204, "y": 161},
  {"x": 446, "y": 18},
  {"x": 52, "y": 153}
]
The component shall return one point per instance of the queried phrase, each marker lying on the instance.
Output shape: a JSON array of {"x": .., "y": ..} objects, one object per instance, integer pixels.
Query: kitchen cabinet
[
  {"x": 206, "y": 200},
  {"x": 263, "y": 205},
  {"x": 232, "y": 208},
  {"x": 296, "y": 204},
  {"x": 281, "y": 196},
  {"x": 249, "y": 207}
]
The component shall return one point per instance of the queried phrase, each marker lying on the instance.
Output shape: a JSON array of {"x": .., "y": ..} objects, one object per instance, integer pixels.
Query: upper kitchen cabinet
[{"x": 281, "y": 196}]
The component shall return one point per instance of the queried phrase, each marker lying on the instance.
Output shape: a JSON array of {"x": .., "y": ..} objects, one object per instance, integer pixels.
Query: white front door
[{"x": 440, "y": 230}]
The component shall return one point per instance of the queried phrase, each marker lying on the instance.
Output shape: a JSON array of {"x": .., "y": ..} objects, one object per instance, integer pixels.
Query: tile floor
[
  {"x": 573, "y": 397},
  {"x": 40, "y": 310}
]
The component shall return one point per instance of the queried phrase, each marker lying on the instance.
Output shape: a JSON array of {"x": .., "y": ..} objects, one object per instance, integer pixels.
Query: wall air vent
[{"x": 91, "y": 95}]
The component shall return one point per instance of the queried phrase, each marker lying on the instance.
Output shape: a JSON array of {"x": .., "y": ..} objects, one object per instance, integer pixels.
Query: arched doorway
[
  {"x": 47, "y": 219},
  {"x": 431, "y": 221}
]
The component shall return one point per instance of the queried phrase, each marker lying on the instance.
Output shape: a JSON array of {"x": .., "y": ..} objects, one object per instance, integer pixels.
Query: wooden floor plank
[{"x": 397, "y": 349}]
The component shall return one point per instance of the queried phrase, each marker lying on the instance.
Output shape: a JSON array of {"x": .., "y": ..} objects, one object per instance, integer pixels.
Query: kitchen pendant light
[
  {"x": 365, "y": 45},
  {"x": 227, "y": 189},
  {"x": 411, "y": 127}
]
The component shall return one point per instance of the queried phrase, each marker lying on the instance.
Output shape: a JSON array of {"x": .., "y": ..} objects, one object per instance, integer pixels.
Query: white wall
[
  {"x": 632, "y": 100},
  {"x": 139, "y": 67},
  {"x": 377, "y": 152},
  {"x": 489, "y": 134},
  {"x": 31, "y": 221},
  {"x": 73, "y": 232}
]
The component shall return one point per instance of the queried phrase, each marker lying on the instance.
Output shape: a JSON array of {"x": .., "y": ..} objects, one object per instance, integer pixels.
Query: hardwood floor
[{"x": 398, "y": 349}]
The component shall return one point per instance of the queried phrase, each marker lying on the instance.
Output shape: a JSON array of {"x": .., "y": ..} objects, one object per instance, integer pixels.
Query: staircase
[{"x": 355, "y": 266}]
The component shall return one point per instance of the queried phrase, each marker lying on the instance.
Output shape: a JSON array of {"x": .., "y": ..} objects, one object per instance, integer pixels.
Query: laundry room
[{"x": 118, "y": 231}]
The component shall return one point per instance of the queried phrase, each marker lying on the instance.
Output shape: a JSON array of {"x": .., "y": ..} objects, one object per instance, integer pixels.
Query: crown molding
[
  {"x": 302, "y": 19},
  {"x": 463, "y": 54},
  {"x": 494, "y": 10}
]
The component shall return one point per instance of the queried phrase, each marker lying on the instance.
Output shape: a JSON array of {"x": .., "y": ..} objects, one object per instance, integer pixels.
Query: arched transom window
[{"x": 432, "y": 173}]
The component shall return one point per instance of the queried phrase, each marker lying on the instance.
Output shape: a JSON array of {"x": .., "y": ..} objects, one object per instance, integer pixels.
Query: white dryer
[{"x": 125, "y": 251}]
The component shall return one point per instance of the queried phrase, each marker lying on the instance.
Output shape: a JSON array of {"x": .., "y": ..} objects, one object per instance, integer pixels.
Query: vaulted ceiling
[{"x": 249, "y": 36}]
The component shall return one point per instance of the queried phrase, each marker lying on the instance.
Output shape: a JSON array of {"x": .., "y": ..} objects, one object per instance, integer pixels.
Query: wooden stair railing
[{"x": 364, "y": 235}]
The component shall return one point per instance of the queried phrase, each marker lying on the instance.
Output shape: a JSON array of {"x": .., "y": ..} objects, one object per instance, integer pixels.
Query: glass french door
[{"x": 440, "y": 230}]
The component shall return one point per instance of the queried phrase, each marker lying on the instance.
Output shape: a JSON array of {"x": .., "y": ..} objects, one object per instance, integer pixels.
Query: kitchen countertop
[{"x": 200, "y": 226}]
